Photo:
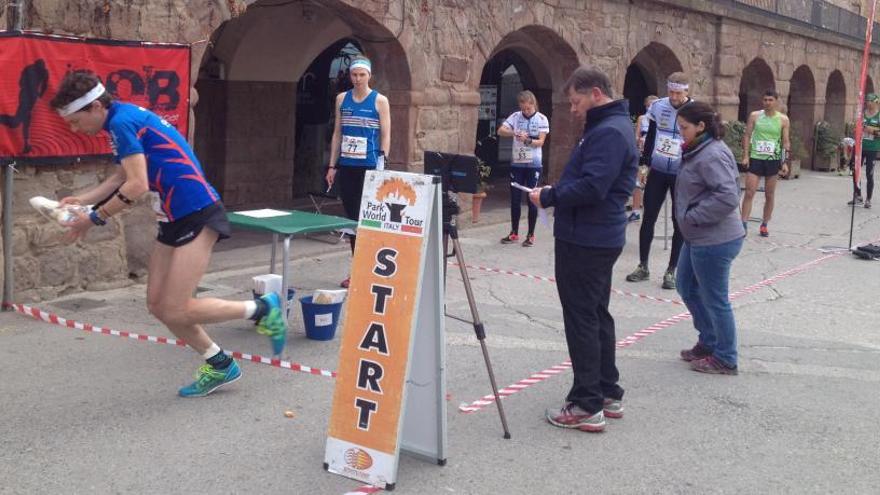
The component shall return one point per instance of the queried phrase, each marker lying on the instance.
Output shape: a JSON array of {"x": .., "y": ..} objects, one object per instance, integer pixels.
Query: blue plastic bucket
[{"x": 320, "y": 319}]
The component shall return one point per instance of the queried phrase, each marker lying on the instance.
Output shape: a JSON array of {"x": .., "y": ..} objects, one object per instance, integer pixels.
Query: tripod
[{"x": 450, "y": 231}]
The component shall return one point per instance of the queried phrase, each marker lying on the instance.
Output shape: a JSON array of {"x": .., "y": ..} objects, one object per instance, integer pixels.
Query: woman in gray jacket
[{"x": 707, "y": 210}]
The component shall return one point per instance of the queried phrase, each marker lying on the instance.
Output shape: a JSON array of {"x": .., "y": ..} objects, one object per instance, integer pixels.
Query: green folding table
[{"x": 287, "y": 223}]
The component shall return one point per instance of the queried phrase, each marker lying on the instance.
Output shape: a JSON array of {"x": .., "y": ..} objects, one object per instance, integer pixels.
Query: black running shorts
[
  {"x": 183, "y": 230},
  {"x": 764, "y": 168}
]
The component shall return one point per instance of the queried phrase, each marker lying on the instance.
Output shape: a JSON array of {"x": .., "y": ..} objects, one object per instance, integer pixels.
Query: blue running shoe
[
  {"x": 209, "y": 379},
  {"x": 273, "y": 324}
]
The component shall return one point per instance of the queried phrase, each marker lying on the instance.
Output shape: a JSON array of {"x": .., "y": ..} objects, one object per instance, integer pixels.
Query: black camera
[{"x": 459, "y": 173}]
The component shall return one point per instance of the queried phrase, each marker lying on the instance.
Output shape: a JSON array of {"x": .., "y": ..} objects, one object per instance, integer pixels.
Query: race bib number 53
[{"x": 522, "y": 153}]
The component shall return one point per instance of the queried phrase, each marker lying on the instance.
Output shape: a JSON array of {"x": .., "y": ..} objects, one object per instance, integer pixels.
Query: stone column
[{"x": 565, "y": 130}]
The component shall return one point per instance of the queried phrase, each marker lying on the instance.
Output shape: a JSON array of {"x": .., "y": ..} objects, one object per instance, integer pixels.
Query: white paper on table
[
  {"x": 542, "y": 212},
  {"x": 264, "y": 213}
]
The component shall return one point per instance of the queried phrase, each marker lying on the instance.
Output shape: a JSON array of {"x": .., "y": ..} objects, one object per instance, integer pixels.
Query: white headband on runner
[
  {"x": 671, "y": 86},
  {"x": 84, "y": 100},
  {"x": 361, "y": 64}
]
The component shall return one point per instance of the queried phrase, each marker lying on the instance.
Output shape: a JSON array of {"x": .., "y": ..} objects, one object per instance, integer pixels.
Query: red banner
[{"x": 152, "y": 75}]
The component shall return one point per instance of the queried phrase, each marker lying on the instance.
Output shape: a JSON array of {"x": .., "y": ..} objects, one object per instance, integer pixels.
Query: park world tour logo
[{"x": 392, "y": 198}]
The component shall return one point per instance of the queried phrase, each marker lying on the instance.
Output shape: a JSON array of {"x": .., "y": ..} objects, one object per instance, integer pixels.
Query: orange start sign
[{"x": 393, "y": 318}]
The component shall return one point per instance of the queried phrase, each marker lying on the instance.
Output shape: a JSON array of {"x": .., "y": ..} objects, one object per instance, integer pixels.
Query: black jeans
[
  {"x": 657, "y": 185},
  {"x": 583, "y": 279},
  {"x": 868, "y": 158}
]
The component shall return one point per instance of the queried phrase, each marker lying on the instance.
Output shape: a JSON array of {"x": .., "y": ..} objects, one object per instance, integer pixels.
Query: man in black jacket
[{"x": 590, "y": 231}]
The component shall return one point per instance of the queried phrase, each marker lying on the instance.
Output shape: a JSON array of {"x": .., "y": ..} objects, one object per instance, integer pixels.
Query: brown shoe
[
  {"x": 713, "y": 366},
  {"x": 697, "y": 352}
]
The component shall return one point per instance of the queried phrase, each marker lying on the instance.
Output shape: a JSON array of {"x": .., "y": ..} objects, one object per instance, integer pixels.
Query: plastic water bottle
[{"x": 51, "y": 209}]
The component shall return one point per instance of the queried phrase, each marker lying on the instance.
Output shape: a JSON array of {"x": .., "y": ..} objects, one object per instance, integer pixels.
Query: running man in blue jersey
[
  {"x": 153, "y": 156},
  {"x": 361, "y": 139},
  {"x": 529, "y": 128}
]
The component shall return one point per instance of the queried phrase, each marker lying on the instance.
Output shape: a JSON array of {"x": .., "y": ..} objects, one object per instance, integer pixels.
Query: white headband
[
  {"x": 361, "y": 64},
  {"x": 671, "y": 86},
  {"x": 84, "y": 100}
]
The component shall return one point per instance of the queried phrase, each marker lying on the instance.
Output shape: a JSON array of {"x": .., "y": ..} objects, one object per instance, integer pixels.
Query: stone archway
[
  {"x": 801, "y": 105},
  {"x": 647, "y": 73},
  {"x": 316, "y": 92},
  {"x": 503, "y": 77},
  {"x": 835, "y": 102},
  {"x": 542, "y": 61},
  {"x": 757, "y": 77},
  {"x": 250, "y": 80}
]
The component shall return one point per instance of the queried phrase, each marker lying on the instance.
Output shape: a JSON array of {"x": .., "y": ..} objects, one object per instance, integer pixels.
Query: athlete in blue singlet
[
  {"x": 153, "y": 156},
  {"x": 361, "y": 139}
]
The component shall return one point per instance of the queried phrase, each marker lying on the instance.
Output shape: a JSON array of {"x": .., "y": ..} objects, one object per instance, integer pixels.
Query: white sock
[
  {"x": 250, "y": 307},
  {"x": 211, "y": 352}
]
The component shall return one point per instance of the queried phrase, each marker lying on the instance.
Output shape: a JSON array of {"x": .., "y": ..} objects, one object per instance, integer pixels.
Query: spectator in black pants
[{"x": 590, "y": 231}]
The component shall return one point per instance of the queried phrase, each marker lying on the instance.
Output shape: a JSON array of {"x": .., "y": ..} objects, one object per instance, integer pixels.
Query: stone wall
[
  {"x": 112, "y": 256},
  {"x": 259, "y": 144},
  {"x": 45, "y": 266},
  {"x": 428, "y": 57}
]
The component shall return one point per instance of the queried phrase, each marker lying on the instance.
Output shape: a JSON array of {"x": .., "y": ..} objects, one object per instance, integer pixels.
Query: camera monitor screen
[{"x": 460, "y": 173}]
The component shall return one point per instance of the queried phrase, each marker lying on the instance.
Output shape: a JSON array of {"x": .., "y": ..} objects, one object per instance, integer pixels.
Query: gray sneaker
[
  {"x": 613, "y": 408},
  {"x": 868, "y": 203},
  {"x": 669, "y": 280},
  {"x": 572, "y": 416},
  {"x": 640, "y": 274}
]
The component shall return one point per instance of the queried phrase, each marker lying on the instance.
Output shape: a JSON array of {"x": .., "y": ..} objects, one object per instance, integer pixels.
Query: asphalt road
[{"x": 88, "y": 413}]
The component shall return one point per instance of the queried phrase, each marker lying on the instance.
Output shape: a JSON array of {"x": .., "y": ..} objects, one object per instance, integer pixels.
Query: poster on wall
[
  {"x": 488, "y": 102},
  {"x": 152, "y": 75}
]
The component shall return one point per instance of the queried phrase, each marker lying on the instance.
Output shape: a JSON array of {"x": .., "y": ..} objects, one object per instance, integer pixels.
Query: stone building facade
[{"x": 264, "y": 69}]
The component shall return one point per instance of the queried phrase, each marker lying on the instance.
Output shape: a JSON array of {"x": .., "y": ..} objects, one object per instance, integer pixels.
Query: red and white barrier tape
[
  {"x": 63, "y": 322},
  {"x": 540, "y": 376},
  {"x": 365, "y": 490},
  {"x": 553, "y": 280},
  {"x": 806, "y": 248},
  {"x": 788, "y": 273}
]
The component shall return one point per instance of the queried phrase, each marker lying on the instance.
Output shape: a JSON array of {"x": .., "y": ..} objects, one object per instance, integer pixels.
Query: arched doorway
[
  {"x": 503, "y": 77},
  {"x": 757, "y": 77},
  {"x": 535, "y": 58},
  {"x": 266, "y": 94},
  {"x": 802, "y": 110},
  {"x": 316, "y": 93},
  {"x": 835, "y": 102},
  {"x": 647, "y": 73}
]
